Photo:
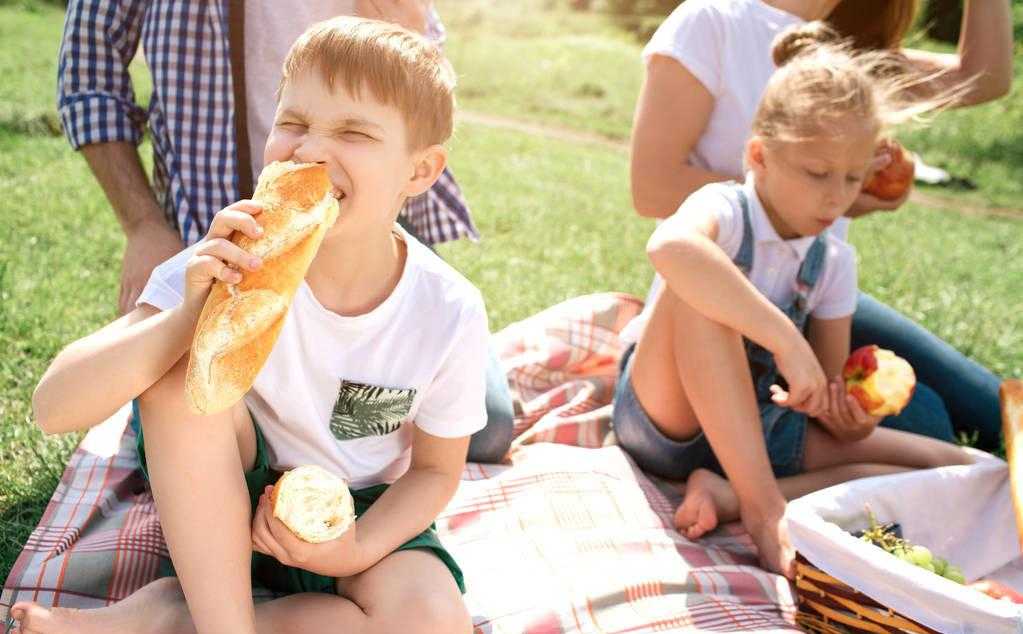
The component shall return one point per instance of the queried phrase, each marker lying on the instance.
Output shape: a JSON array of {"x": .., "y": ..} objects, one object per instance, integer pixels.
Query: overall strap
[
  {"x": 744, "y": 258},
  {"x": 813, "y": 264}
]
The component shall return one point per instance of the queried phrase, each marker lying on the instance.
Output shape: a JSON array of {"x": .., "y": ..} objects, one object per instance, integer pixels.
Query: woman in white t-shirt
[{"x": 706, "y": 67}]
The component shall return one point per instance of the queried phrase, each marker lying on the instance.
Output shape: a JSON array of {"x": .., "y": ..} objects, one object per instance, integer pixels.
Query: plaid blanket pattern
[
  {"x": 562, "y": 364},
  {"x": 566, "y": 537}
]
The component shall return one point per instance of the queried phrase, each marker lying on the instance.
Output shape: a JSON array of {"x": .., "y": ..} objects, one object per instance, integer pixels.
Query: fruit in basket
[
  {"x": 888, "y": 537},
  {"x": 920, "y": 556},
  {"x": 880, "y": 380},
  {"x": 997, "y": 590},
  {"x": 953, "y": 573},
  {"x": 891, "y": 182}
]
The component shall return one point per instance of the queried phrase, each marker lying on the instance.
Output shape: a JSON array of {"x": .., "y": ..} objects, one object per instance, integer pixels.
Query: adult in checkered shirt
[
  {"x": 212, "y": 64},
  {"x": 215, "y": 66}
]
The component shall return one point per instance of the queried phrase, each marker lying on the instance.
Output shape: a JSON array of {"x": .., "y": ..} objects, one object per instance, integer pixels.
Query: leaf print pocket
[{"x": 365, "y": 410}]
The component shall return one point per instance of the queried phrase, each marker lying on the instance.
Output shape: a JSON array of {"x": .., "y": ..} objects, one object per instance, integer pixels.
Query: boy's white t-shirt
[
  {"x": 726, "y": 45},
  {"x": 776, "y": 261},
  {"x": 344, "y": 392}
]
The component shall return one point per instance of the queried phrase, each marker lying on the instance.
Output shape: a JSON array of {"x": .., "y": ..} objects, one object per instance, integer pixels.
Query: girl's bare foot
[
  {"x": 709, "y": 500},
  {"x": 157, "y": 607}
]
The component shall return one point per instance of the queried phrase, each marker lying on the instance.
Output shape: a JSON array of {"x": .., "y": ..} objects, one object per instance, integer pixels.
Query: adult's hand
[
  {"x": 150, "y": 242},
  {"x": 866, "y": 203},
  {"x": 410, "y": 14}
]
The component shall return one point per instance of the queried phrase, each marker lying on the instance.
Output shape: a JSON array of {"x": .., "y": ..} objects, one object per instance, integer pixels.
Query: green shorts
[{"x": 271, "y": 573}]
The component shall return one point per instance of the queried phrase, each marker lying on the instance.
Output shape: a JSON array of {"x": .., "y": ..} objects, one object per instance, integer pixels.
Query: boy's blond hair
[
  {"x": 398, "y": 67},
  {"x": 822, "y": 80}
]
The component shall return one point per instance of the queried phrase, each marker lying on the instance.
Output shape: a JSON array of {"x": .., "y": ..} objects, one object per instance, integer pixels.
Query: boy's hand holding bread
[{"x": 307, "y": 520}]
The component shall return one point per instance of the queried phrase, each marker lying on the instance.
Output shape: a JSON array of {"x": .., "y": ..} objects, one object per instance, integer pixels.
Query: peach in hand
[{"x": 891, "y": 182}]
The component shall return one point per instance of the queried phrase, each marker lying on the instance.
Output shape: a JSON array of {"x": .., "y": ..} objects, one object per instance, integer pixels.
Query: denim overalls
[{"x": 784, "y": 429}]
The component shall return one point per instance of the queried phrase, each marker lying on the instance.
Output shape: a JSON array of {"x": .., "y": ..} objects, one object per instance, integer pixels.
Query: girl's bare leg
[
  {"x": 710, "y": 500},
  {"x": 691, "y": 373},
  {"x": 882, "y": 446}
]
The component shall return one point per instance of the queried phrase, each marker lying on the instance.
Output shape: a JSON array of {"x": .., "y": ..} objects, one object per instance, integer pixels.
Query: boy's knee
[
  {"x": 430, "y": 614},
  {"x": 171, "y": 383},
  {"x": 169, "y": 588}
]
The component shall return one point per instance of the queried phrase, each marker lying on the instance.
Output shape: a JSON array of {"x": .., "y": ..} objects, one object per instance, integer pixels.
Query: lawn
[{"x": 555, "y": 213}]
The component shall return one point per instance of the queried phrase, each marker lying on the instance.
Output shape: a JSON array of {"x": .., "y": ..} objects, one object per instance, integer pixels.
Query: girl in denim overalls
[{"x": 737, "y": 371}]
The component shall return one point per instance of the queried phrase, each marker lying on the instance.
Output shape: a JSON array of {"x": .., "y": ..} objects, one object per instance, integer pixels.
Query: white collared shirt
[{"x": 776, "y": 261}]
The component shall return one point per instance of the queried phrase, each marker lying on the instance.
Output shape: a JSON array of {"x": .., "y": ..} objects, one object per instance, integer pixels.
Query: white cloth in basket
[{"x": 962, "y": 513}]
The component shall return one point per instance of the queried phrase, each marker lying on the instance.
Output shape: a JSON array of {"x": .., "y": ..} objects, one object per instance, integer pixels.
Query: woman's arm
[
  {"x": 671, "y": 116},
  {"x": 985, "y": 53},
  {"x": 92, "y": 377}
]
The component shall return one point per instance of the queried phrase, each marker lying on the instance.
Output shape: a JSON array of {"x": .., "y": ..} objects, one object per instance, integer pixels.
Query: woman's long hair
[{"x": 874, "y": 24}]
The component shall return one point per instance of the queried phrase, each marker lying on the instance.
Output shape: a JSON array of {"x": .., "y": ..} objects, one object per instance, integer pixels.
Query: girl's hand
[
  {"x": 807, "y": 391},
  {"x": 845, "y": 417},
  {"x": 339, "y": 557},
  {"x": 217, "y": 258}
]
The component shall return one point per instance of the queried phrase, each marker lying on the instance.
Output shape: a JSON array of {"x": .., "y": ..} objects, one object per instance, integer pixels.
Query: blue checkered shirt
[{"x": 191, "y": 111}]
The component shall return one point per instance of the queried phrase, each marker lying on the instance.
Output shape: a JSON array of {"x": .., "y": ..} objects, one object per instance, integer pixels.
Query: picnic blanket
[{"x": 566, "y": 536}]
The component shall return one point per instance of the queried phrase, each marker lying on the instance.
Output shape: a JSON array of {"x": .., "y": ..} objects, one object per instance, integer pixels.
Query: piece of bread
[
  {"x": 1011, "y": 395},
  {"x": 313, "y": 503},
  {"x": 239, "y": 323}
]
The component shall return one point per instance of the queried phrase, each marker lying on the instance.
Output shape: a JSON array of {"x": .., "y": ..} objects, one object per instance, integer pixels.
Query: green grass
[
  {"x": 556, "y": 215},
  {"x": 581, "y": 70},
  {"x": 545, "y": 209}
]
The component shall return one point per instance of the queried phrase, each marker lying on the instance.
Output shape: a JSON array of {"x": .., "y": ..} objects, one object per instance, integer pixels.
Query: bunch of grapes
[{"x": 888, "y": 538}]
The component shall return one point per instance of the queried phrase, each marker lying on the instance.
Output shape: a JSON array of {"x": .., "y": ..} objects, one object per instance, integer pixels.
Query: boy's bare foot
[
  {"x": 709, "y": 500},
  {"x": 770, "y": 533},
  {"x": 157, "y": 607}
]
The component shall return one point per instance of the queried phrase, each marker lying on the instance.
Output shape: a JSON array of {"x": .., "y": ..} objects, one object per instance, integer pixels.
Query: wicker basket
[{"x": 828, "y": 606}]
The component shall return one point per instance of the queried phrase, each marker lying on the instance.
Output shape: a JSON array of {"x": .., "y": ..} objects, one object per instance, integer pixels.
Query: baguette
[
  {"x": 239, "y": 324},
  {"x": 1011, "y": 394},
  {"x": 313, "y": 503}
]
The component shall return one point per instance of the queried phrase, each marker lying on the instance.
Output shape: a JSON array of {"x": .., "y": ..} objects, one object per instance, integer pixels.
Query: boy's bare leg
[
  {"x": 196, "y": 471},
  {"x": 409, "y": 591},
  {"x": 196, "y": 468},
  {"x": 156, "y": 607},
  {"x": 691, "y": 373}
]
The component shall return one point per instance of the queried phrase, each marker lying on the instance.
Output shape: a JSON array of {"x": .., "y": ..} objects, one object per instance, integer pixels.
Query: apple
[
  {"x": 880, "y": 380},
  {"x": 892, "y": 182}
]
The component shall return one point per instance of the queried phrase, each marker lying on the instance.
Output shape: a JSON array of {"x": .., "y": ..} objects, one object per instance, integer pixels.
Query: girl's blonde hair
[
  {"x": 874, "y": 24},
  {"x": 823, "y": 80}
]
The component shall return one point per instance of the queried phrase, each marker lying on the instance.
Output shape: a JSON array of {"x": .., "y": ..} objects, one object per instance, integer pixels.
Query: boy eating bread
[{"x": 376, "y": 373}]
